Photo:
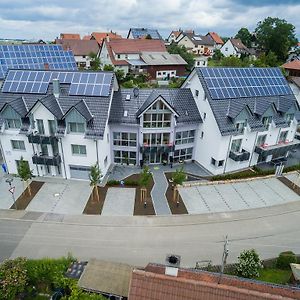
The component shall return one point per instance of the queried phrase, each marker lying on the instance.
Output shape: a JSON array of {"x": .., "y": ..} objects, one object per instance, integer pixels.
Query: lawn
[{"x": 275, "y": 276}]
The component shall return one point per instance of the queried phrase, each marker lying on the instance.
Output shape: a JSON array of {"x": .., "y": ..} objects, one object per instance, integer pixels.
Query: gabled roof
[
  {"x": 292, "y": 65},
  {"x": 216, "y": 38},
  {"x": 198, "y": 39},
  {"x": 234, "y": 109},
  {"x": 100, "y": 36},
  {"x": 84, "y": 110},
  {"x": 237, "y": 43},
  {"x": 176, "y": 33},
  {"x": 261, "y": 106},
  {"x": 18, "y": 105},
  {"x": 70, "y": 36},
  {"x": 79, "y": 47},
  {"x": 162, "y": 58},
  {"x": 141, "y": 33},
  {"x": 52, "y": 104}
]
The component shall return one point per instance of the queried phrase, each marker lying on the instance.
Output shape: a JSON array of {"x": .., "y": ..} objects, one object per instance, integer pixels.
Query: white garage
[{"x": 79, "y": 172}]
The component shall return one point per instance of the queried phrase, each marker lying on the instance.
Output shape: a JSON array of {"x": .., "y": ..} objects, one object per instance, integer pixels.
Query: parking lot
[{"x": 236, "y": 196}]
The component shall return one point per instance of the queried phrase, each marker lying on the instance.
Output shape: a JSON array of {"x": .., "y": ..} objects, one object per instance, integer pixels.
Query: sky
[{"x": 40, "y": 19}]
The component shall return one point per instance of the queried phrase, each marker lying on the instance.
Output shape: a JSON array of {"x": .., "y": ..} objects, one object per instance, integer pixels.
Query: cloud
[{"x": 34, "y": 19}]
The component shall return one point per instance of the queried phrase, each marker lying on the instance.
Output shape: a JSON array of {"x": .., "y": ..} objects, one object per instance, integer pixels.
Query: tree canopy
[
  {"x": 276, "y": 35},
  {"x": 95, "y": 61},
  {"x": 181, "y": 50},
  {"x": 245, "y": 36},
  {"x": 23, "y": 170}
]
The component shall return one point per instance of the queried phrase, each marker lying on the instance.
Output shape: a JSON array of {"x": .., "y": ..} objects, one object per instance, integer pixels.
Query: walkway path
[{"x": 159, "y": 199}]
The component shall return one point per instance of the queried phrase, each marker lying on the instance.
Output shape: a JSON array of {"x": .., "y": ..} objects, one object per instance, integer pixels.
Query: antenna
[{"x": 224, "y": 258}]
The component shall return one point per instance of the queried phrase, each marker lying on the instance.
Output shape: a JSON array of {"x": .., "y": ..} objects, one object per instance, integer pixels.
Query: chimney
[
  {"x": 46, "y": 66},
  {"x": 172, "y": 265},
  {"x": 107, "y": 38},
  {"x": 56, "y": 88}
]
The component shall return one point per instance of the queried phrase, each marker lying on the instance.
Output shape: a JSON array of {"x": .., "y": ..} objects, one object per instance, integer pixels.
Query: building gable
[
  {"x": 74, "y": 116},
  {"x": 9, "y": 113}
]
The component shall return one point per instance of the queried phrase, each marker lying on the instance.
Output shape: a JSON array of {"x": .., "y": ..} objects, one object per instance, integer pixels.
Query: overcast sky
[{"x": 40, "y": 19}]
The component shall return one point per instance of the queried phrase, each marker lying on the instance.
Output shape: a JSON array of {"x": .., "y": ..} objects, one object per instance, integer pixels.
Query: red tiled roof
[
  {"x": 216, "y": 38},
  {"x": 176, "y": 33},
  {"x": 79, "y": 47},
  {"x": 127, "y": 46},
  {"x": 293, "y": 65},
  {"x": 70, "y": 36},
  {"x": 86, "y": 37},
  {"x": 153, "y": 284},
  {"x": 100, "y": 36}
]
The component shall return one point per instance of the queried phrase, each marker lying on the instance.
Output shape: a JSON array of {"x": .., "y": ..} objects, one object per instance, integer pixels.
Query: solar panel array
[
  {"x": 224, "y": 83},
  {"x": 37, "y": 82},
  {"x": 141, "y": 32},
  {"x": 35, "y": 57}
]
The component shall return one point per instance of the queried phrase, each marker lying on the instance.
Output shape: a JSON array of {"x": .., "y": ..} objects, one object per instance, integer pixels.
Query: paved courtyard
[
  {"x": 119, "y": 202},
  {"x": 236, "y": 196},
  {"x": 61, "y": 196}
]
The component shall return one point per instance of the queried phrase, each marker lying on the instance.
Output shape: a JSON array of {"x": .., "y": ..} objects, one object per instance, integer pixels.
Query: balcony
[
  {"x": 41, "y": 139},
  {"x": 46, "y": 160},
  {"x": 279, "y": 150},
  {"x": 239, "y": 156}
]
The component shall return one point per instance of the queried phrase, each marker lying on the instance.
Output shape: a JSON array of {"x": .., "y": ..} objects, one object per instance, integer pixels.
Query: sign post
[{"x": 12, "y": 190}]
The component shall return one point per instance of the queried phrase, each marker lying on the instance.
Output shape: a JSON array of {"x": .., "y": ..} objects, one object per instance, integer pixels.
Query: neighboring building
[
  {"x": 142, "y": 55},
  {"x": 234, "y": 47},
  {"x": 152, "y": 125},
  {"x": 292, "y": 68},
  {"x": 86, "y": 37},
  {"x": 201, "y": 61},
  {"x": 295, "y": 86},
  {"x": 81, "y": 50},
  {"x": 157, "y": 282},
  {"x": 142, "y": 33},
  {"x": 173, "y": 37},
  {"x": 250, "y": 116},
  {"x": 35, "y": 56},
  {"x": 101, "y": 36},
  {"x": 70, "y": 36},
  {"x": 57, "y": 121},
  {"x": 216, "y": 38}
]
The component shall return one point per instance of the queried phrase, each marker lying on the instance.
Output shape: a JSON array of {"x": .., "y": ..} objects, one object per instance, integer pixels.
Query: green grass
[{"x": 275, "y": 276}]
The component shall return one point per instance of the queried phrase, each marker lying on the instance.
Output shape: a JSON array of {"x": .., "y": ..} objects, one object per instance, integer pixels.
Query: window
[
  {"x": 76, "y": 127},
  {"x": 44, "y": 149},
  {"x": 153, "y": 139},
  {"x": 125, "y": 157},
  {"x": 213, "y": 161},
  {"x": 13, "y": 123},
  {"x": 261, "y": 140},
  {"x": 105, "y": 161},
  {"x": 202, "y": 135},
  {"x": 266, "y": 121},
  {"x": 183, "y": 154},
  {"x": 17, "y": 145},
  {"x": 185, "y": 137},
  {"x": 204, "y": 116},
  {"x": 196, "y": 93},
  {"x": 283, "y": 136},
  {"x": 79, "y": 149},
  {"x": 240, "y": 126},
  {"x": 127, "y": 139},
  {"x": 221, "y": 163},
  {"x": 40, "y": 126},
  {"x": 226, "y": 49},
  {"x": 236, "y": 145},
  {"x": 289, "y": 117},
  {"x": 118, "y": 56},
  {"x": 52, "y": 127},
  {"x": 157, "y": 116}
]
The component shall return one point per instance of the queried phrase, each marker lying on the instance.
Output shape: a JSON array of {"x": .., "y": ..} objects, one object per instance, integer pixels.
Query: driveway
[
  {"x": 236, "y": 196},
  {"x": 61, "y": 196}
]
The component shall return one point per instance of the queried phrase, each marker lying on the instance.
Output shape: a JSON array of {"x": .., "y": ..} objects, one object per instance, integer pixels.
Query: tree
[
  {"x": 95, "y": 61},
  {"x": 24, "y": 172},
  {"x": 218, "y": 55},
  {"x": 245, "y": 36},
  {"x": 182, "y": 51},
  {"x": 13, "y": 278},
  {"x": 249, "y": 264},
  {"x": 120, "y": 74},
  {"x": 274, "y": 34},
  {"x": 269, "y": 60},
  {"x": 177, "y": 177},
  {"x": 145, "y": 177},
  {"x": 148, "y": 37},
  {"x": 95, "y": 176},
  {"x": 108, "y": 68},
  {"x": 231, "y": 61}
]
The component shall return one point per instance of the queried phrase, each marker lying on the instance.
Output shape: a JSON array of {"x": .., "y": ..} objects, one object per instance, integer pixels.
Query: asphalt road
[{"x": 139, "y": 240}]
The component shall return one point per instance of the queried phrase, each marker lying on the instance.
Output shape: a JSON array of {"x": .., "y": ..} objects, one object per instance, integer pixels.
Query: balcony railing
[
  {"x": 46, "y": 160},
  {"x": 41, "y": 139},
  {"x": 239, "y": 156},
  {"x": 278, "y": 149}
]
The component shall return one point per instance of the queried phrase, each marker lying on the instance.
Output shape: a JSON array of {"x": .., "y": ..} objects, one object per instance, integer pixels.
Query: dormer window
[
  {"x": 13, "y": 123},
  {"x": 76, "y": 127},
  {"x": 240, "y": 126},
  {"x": 266, "y": 121},
  {"x": 289, "y": 117}
]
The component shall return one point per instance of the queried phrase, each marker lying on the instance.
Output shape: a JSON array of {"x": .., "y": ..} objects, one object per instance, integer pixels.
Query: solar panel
[
  {"x": 37, "y": 82},
  {"x": 225, "y": 83},
  {"x": 35, "y": 57}
]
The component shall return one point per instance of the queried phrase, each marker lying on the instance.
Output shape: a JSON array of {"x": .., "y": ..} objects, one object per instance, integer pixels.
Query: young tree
[
  {"x": 182, "y": 51},
  {"x": 274, "y": 34},
  {"x": 108, "y": 68},
  {"x": 95, "y": 176},
  {"x": 24, "y": 172},
  {"x": 145, "y": 177},
  {"x": 120, "y": 74},
  {"x": 95, "y": 61},
  {"x": 249, "y": 264},
  {"x": 178, "y": 178},
  {"x": 245, "y": 36}
]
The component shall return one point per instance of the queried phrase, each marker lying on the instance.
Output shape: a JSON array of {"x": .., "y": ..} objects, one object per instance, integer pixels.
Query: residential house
[
  {"x": 295, "y": 86},
  {"x": 234, "y": 47},
  {"x": 216, "y": 38},
  {"x": 292, "y": 68},
  {"x": 250, "y": 116},
  {"x": 81, "y": 50},
  {"x": 157, "y": 282},
  {"x": 101, "y": 36},
  {"x": 173, "y": 36},
  {"x": 142, "y": 33},
  {"x": 57, "y": 121},
  {"x": 142, "y": 55},
  {"x": 70, "y": 36}
]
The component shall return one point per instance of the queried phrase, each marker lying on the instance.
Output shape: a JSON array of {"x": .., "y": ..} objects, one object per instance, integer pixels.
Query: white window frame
[{"x": 81, "y": 150}]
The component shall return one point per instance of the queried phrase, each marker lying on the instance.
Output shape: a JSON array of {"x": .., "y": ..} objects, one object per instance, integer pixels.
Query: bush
[
  {"x": 113, "y": 182},
  {"x": 249, "y": 264},
  {"x": 285, "y": 259},
  {"x": 130, "y": 182}
]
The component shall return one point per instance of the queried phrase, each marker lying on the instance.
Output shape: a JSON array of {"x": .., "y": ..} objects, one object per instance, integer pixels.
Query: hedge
[{"x": 285, "y": 259}]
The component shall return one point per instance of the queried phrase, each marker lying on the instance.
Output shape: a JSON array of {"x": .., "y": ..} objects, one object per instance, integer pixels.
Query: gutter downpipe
[
  {"x": 227, "y": 156},
  {"x": 253, "y": 149},
  {"x": 63, "y": 157},
  {"x": 96, "y": 141}
]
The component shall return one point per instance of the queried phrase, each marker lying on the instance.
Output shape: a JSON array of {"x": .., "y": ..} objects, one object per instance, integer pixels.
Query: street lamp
[{"x": 12, "y": 190}]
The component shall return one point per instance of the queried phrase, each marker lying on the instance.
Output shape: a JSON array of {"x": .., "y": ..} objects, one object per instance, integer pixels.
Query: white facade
[
  {"x": 229, "y": 50},
  {"x": 201, "y": 61},
  {"x": 83, "y": 61}
]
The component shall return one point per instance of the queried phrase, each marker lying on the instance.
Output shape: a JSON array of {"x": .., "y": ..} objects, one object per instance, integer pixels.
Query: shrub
[
  {"x": 178, "y": 176},
  {"x": 113, "y": 182},
  {"x": 285, "y": 259},
  {"x": 131, "y": 182},
  {"x": 249, "y": 264}
]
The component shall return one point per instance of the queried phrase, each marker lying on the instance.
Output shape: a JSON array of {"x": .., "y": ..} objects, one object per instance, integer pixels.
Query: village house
[
  {"x": 143, "y": 33},
  {"x": 234, "y": 47}
]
